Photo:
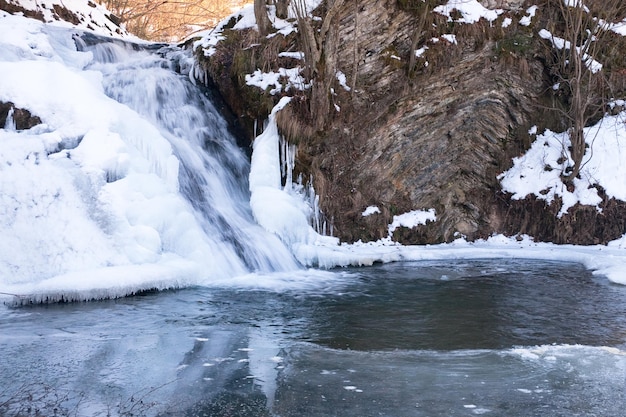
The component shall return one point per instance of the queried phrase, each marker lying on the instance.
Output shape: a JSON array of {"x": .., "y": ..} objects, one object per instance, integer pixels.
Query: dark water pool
[{"x": 454, "y": 338}]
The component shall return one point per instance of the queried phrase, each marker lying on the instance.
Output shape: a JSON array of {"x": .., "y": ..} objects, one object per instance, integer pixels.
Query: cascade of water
[{"x": 213, "y": 170}]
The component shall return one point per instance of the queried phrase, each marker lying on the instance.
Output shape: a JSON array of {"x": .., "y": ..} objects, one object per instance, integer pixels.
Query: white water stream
[{"x": 213, "y": 171}]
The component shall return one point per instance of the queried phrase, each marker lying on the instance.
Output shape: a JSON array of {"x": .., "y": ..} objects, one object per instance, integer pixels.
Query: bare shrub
[
  {"x": 170, "y": 20},
  {"x": 580, "y": 32}
]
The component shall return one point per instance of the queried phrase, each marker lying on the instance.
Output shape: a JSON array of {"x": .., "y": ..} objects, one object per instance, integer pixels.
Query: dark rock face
[
  {"x": 436, "y": 137},
  {"x": 23, "y": 118},
  {"x": 437, "y": 140},
  {"x": 582, "y": 225}
]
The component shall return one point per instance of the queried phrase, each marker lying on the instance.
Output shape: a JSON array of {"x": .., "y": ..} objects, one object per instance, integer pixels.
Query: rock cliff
[{"x": 432, "y": 131}]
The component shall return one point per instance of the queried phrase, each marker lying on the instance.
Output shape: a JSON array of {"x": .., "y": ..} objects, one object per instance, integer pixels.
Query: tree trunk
[
  {"x": 260, "y": 14},
  {"x": 417, "y": 35},
  {"x": 282, "y": 9}
]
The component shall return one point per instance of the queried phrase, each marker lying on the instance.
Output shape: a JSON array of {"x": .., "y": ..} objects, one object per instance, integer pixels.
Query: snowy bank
[{"x": 87, "y": 15}]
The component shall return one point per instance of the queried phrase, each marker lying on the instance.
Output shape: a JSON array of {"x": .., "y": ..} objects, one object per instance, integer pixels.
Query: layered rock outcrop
[
  {"x": 433, "y": 136},
  {"x": 436, "y": 140}
]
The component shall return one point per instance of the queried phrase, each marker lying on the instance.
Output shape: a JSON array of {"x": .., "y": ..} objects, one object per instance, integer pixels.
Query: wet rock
[{"x": 23, "y": 118}]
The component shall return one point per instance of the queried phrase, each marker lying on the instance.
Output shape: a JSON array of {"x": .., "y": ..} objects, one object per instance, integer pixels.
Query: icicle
[
  {"x": 192, "y": 74},
  {"x": 316, "y": 217},
  {"x": 10, "y": 122},
  {"x": 287, "y": 162}
]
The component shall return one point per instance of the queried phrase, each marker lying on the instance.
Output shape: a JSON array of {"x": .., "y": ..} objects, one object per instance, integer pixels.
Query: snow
[
  {"x": 283, "y": 79},
  {"x": 412, "y": 219},
  {"x": 90, "y": 201},
  {"x": 245, "y": 18},
  {"x": 527, "y": 20},
  {"x": 293, "y": 55},
  {"x": 450, "y": 38},
  {"x": 264, "y": 80},
  {"x": 575, "y": 3},
  {"x": 209, "y": 39},
  {"x": 341, "y": 77},
  {"x": 471, "y": 11},
  {"x": 539, "y": 171},
  {"x": 420, "y": 52},
  {"x": 619, "y": 28},
  {"x": 90, "y": 16},
  {"x": 560, "y": 43},
  {"x": 370, "y": 210}
]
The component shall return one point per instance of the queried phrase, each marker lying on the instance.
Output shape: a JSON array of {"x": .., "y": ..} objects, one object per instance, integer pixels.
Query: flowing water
[
  {"x": 155, "y": 81},
  {"x": 454, "y": 338}
]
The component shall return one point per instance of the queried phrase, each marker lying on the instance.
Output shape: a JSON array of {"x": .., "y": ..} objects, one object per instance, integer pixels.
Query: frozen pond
[{"x": 453, "y": 338}]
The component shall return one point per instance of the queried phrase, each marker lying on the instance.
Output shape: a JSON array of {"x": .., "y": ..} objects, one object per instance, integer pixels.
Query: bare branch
[
  {"x": 584, "y": 31},
  {"x": 167, "y": 20}
]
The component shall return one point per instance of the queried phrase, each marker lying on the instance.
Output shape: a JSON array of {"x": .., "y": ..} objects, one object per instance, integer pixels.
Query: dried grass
[{"x": 293, "y": 121}]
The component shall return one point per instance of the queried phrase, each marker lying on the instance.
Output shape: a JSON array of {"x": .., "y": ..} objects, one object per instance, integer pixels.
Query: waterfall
[
  {"x": 213, "y": 170},
  {"x": 133, "y": 180}
]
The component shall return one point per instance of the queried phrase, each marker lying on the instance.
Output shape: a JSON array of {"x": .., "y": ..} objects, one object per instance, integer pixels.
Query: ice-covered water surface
[{"x": 453, "y": 338}]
